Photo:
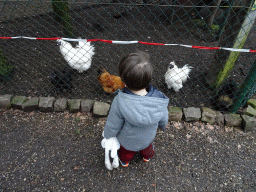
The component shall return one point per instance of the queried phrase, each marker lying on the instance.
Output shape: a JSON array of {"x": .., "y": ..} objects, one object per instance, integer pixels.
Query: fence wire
[{"x": 36, "y": 68}]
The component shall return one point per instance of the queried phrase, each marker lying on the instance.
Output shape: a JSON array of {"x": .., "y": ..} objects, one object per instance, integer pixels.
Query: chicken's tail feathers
[
  {"x": 53, "y": 75},
  {"x": 186, "y": 69},
  {"x": 68, "y": 71},
  {"x": 91, "y": 49},
  {"x": 101, "y": 70}
]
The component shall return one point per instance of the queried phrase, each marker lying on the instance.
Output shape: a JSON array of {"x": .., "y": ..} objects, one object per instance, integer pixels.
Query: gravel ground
[{"x": 62, "y": 152}]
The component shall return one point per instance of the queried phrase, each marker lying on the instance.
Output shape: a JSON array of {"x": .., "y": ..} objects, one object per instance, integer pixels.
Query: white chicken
[
  {"x": 175, "y": 77},
  {"x": 79, "y": 57},
  {"x": 111, "y": 145}
]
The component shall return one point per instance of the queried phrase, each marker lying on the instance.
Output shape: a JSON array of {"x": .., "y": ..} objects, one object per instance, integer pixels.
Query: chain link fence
[{"x": 31, "y": 67}]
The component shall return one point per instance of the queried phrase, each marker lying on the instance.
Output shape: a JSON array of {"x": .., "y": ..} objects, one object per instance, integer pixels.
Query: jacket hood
[{"x": 142, "y": 110}]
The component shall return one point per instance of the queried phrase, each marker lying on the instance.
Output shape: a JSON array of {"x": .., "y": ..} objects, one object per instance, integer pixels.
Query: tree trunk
[{"x": 213, "y": 10}]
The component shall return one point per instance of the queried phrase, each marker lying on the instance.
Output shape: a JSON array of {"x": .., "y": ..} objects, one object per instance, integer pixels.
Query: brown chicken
[{"x": 109, "y": 83}]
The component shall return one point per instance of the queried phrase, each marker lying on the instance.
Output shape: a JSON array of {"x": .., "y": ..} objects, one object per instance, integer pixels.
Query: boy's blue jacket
[{"x": 134, "y": 119}]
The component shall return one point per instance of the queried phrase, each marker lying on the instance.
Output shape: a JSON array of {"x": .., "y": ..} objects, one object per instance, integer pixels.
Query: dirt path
[{"x": 62, "y": 152}]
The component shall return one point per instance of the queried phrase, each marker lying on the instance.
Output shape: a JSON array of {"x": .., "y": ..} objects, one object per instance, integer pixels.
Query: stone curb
[{"x": 245, "y": 120}]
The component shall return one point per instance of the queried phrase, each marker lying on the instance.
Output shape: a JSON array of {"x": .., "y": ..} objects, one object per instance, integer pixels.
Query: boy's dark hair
[{"x": 136, "y": 70}]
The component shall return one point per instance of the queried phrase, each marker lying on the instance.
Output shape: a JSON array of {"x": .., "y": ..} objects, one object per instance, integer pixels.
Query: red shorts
[{"x": 126, "y": 155}]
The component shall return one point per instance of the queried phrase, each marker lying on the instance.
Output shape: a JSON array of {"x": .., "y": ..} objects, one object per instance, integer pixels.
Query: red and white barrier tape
[{"x": 131, "y": 42}]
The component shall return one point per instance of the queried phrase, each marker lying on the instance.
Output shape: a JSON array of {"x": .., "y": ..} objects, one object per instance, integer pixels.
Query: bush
[
  {"x": 199, "y": 23},
  {"x": 5, "y": 67},
  {"x": 215, "y": 28},
  {"x": 202, "y": 25}
]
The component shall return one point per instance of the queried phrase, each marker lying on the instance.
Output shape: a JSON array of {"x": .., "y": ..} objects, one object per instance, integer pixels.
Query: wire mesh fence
[{"x": 32, "y": 67}]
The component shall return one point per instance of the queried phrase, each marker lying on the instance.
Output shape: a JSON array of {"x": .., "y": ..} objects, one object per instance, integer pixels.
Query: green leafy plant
[
  {"x": 215, "y": 28},
  {"x": 199, "y": 23},
  {"x": 202, "y": 25},
  {"x": 5, "y": 67},
  {"x": 61, "y": 10}
]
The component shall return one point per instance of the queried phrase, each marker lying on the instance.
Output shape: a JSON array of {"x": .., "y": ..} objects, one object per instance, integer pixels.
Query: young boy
[{"x": 136, "y": 111}]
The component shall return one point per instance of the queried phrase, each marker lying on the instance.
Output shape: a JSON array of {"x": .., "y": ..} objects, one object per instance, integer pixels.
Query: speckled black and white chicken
[{"x": 79, "y": 57}]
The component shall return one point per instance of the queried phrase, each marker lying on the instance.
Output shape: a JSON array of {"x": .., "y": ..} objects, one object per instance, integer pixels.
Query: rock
[
  {"x": 100, "y": 109},
  {"x": 31, "y": 104},
  {"x": 86, "y": 105},
  {"x": 60, "y": 105},
  {"x": 5, "y": 101},
  {"x": 192, "y": 114},
  {"x": 248, "y": 123},
  {"x": 232, "y": 120},
  {"x": 175, "y": 113},
  {"x": 250, "y": 111},
  {"x": 252, "y": 102},
  {"x": 208, "y": 115},
  {"x": 219, "y": 118},
  {"x": 74, "y": 105},
  {"x": 46, "y": 104},
  {"x": 17, "y": 101}
]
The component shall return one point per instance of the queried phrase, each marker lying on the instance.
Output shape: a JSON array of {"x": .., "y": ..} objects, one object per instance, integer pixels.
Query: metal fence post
[{"x": 245, "y": 89}]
